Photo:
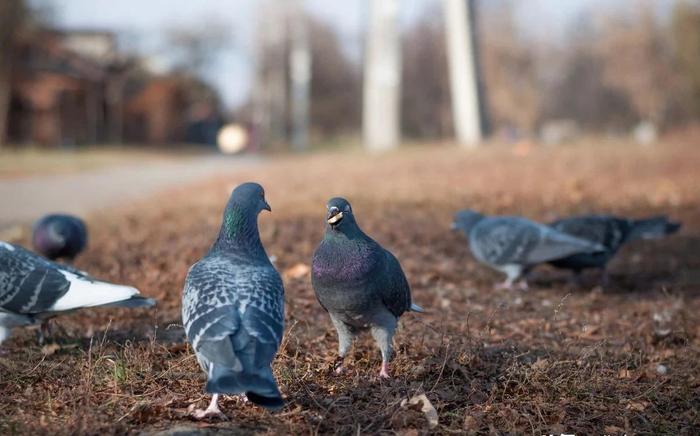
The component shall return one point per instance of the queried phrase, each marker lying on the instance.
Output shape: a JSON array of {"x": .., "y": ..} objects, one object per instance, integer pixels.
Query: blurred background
[{"x": 295, "y": 75}]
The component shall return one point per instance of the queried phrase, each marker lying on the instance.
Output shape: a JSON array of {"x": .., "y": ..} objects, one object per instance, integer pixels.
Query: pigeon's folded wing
[
  {"x": 551, "y": 244},
  {"x": 393, "y": 287},
  {"x": 28, "y": 283}
]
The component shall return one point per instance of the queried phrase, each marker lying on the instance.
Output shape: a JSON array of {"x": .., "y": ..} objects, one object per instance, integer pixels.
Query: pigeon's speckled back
[{"x": 230, "y": 286}]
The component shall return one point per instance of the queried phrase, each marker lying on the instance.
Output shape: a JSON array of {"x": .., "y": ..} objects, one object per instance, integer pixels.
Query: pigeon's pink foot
[
  {"x": 339, "y": 365},
  {"x": 384, "y": 372},
  {"x": 212, "y": 411}
]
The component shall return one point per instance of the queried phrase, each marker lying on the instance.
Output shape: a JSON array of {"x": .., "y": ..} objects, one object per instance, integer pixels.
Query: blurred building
[
  {"x": 74, "y": 87},
  {"x": 58, "y": 90}
]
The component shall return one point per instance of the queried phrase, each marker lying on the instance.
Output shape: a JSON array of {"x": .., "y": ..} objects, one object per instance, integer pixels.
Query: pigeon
[
  {"x": 34, "y": 289},
  {"x": 360, "y": 284},
  {"x": 233, "y": 308},
  {"x": 59, "y": 236},
  {"x": 610, "y": 231},
  {"x": 514, "y": 245}
]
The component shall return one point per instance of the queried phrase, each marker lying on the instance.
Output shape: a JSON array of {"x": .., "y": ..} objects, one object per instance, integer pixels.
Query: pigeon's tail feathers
[
  {"x": 86, "y": 292},
  {"x": 417, "y": 308},
  {"x": 270, "y": 403},
  {"x": 260, "y": 387},
  {"x": 133, "y": 303},
  {"x": 652, "y": 228}
]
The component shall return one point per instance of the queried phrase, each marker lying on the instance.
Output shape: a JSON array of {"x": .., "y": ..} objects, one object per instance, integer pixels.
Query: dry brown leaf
[
  {"x": 298, "y": 271},
  {"x": 637, "y": 405},
  {"x": 613, "y": 429},
  {"x": 50, "y": 349},
  {"x": 540, "y": 364},
  {"x": 425, "y": 406}
]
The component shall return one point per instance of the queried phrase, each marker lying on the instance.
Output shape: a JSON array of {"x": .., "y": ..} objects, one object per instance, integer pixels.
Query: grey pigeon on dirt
[
  {"x": 34, "y": 289},
  {"x": 359, "y": 283},
  {"x": 514, "y": 245},
  {"x": 610, "y": 231},
  {"x": 233, "y": 307},
  {"x": 59, "y": 236}
]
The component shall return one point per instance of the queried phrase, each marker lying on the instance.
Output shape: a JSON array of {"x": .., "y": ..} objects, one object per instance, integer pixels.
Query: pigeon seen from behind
[
  {"x": 58, "y": 236},
  {"x": 610, "y": 231},
  {"x": 514, "y": 245},
  {"x": 233, "y": 308},
  {"x": 34, "y": 289},
  {"x": 360, "y": 284}
]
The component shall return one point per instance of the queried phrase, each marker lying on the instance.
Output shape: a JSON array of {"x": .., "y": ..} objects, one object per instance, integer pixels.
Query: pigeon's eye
[{"x": 347, "y": 208}]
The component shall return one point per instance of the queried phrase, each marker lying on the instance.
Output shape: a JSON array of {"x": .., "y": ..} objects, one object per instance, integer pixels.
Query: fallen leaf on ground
[
  {"x": 50, "y": 349},
  {"x": 297, "y": 271},
  {"x": 425, "y": 406}
]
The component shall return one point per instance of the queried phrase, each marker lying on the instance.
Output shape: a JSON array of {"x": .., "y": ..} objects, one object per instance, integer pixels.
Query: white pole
[
  {"x": 300, "y": 76},
  {"x": 382, "y": 81},
  {"x": 462, "y": 67}
]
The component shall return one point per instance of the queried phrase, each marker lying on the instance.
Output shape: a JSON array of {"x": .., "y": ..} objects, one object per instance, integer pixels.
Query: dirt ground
[{"x": 555, "y": 359}]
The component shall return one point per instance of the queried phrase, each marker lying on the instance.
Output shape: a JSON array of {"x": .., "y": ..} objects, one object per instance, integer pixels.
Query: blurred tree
[
  {"x": 685, "y": 31},
  {"x": 510, "y": 75},
  {"x": 194, "y": 48},
  {"x": 637, "y": 60},
  {"x": 425, "y": 93},
  {"x": 336, "y": 88},
  {"x": 14, "y": 19}
]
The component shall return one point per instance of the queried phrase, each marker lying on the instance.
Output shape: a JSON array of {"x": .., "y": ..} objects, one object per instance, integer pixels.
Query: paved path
[{"x": 25, "y": 199}]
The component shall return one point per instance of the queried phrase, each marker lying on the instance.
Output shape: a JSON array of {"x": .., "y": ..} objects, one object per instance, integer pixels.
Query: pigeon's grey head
[
  {"x": 466, "y": 219},
  {"x": 339, "y": 214},
  {"x": 249, "y": 197}
]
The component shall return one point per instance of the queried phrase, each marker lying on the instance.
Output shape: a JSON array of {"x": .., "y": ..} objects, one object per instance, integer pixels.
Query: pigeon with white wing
[{"x": 33, "y": 289}]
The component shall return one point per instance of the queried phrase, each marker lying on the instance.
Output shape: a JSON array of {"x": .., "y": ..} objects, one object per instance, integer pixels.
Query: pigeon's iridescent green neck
[
  {"x": 239, "y": 231},
  {"x": 234, "y": 219}
]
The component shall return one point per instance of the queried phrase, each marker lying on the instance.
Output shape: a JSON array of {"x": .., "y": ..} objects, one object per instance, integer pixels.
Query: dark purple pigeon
[
  {"x": 59, "y": 236},
  {"x": 359, "y": 283}
]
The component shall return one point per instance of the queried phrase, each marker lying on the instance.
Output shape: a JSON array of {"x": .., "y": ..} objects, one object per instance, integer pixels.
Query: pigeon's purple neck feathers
[{"x": 346, "y": 254}]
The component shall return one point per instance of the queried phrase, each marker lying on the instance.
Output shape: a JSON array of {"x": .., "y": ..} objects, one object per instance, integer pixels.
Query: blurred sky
[{"x": 141, "y": 24}]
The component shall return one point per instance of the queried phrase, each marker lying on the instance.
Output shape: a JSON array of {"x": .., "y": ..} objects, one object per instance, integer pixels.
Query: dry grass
[{"x": 551, "y": 360}]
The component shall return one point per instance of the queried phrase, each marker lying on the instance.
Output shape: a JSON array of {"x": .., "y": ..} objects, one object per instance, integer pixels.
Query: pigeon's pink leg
[
  {"x": 212, "y": 411},
  {"x": 384, "y": 372},
  {"x": 522, "y": 285},
  {"x": 44, "y": 331}
]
